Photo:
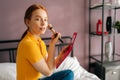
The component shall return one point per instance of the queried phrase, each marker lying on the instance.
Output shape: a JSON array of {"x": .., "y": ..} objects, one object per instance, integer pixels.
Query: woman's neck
[{"x": 37, "y": 36}]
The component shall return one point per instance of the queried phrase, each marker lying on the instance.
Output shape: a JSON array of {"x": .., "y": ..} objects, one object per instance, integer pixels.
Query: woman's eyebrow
[{"x": 39, "y": 16}]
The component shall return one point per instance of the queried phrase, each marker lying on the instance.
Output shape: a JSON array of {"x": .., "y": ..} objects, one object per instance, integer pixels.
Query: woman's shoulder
[{"x": 27, "y": 41}]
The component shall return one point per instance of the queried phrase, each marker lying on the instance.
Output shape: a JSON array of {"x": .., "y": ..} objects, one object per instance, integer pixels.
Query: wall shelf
[{"x": 100, "y": 58}]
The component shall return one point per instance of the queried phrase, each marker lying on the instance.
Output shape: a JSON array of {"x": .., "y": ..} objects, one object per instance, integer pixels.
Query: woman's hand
[
  {"x": 64, "y": 49},
  {"x": 61, "y": 55},
  {"x": 55, "y": 38}
]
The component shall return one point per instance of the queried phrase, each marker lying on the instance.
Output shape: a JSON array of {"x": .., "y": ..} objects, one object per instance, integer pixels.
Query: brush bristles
[{"x": 50, "y": 26}]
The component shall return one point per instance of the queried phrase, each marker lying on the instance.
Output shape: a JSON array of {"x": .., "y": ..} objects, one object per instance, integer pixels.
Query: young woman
[{"x": 32, "y": 56}]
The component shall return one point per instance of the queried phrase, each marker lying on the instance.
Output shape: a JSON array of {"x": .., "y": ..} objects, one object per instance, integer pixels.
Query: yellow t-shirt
[{"x": 29, "y": 52}]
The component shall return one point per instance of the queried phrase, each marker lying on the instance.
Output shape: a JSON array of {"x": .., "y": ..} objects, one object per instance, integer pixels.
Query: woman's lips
[{"x": 42, "y": 29}]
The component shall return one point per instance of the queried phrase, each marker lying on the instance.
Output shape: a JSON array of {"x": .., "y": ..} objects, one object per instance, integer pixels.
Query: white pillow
[
  {"x": 79, "y": 72},
  {"x": 7, "y": 71}
]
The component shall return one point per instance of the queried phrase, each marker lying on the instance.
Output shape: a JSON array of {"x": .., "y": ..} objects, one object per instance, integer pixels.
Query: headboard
[{"x": 9, "y": 47}]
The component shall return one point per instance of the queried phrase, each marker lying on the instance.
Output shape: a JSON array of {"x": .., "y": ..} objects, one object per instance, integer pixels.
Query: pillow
[
  {"x": 7, "y": 71},
  {"x": 79, "y": 72}
]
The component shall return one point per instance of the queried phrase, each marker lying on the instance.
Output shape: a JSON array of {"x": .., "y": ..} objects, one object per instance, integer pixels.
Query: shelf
[
  {"x": 95, "y": 34},
  {"x": 106, "y": 6},
  {"x": 110, "y": 34},
  {"x": 115, "y": 58},
  {"x": 99, "y": 6},
  {"x": 117, "y": 7}
]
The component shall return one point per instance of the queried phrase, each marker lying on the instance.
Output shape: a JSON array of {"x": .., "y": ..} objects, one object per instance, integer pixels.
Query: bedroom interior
[{"x": 67, "y": 16}]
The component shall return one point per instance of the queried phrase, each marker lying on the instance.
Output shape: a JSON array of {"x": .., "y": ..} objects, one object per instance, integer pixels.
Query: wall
[{"x": 67, "y": 16}]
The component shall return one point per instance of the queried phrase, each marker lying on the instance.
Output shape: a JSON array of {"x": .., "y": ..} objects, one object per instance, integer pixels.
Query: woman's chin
[{"x": 43, "y": 32}]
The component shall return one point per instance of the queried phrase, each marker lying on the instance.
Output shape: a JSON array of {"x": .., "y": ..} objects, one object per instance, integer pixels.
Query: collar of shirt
[{"x": 33, "y": 38}]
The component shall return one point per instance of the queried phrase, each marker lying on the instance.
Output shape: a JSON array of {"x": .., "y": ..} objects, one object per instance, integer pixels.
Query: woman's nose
[{"x": 42, "y": 23}]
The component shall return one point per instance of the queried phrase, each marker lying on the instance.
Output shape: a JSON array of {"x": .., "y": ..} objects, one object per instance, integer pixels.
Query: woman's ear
[{"x": 27, "y": 22}]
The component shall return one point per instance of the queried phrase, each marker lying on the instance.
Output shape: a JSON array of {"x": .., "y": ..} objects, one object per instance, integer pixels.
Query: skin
[{"x": 37, "y": 25}]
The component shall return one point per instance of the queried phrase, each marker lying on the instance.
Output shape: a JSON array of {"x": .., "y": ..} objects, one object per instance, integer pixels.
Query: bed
[{"x": 8, "y": 65}]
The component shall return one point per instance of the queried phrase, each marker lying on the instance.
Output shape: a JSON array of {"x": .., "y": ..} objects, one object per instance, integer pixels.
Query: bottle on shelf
[
  {"x": 108, "y": 49},
  {"x": 99, "y": 28},
  {"x": 109, "y": 24}
]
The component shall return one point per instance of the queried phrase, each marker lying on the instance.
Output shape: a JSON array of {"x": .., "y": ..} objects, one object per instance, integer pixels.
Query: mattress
[{"x": 8, "y": 70}]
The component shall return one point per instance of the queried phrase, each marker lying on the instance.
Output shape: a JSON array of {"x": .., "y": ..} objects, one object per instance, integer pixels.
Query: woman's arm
[
  {"x": 51, "y": 57},
  {"x": 46, "y": 66},
  {"x": 51, "y": 52},
  {"x": 42, "y": 67}
]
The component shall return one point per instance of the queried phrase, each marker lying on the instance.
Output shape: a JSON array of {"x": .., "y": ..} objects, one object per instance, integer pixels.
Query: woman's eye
[
  {"x": 37, "y": 19},
  {"x": 45, "y": 19}
]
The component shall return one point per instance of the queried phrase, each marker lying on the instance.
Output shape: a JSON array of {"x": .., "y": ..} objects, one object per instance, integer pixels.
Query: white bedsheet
[
  {"x": 8, "y": 70},
  {"x": 79, "y": 72}
]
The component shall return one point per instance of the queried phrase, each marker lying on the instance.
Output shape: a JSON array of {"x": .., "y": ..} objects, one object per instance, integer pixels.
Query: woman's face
[{"x": 38, "y": 22}]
